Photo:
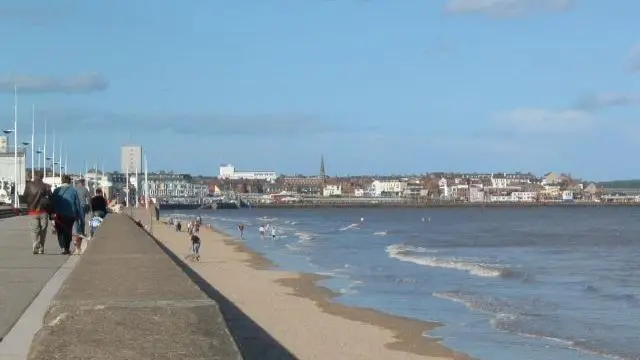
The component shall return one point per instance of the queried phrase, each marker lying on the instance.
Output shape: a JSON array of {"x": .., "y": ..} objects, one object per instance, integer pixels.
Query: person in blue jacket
[{"x": 67, "y": 209}]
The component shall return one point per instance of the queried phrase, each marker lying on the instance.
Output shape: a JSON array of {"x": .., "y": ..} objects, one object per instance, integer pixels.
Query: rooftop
[{"x": 10, "y": 153}]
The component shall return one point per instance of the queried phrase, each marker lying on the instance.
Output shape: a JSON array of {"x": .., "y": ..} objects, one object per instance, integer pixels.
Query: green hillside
[{"x": 621, "y": 184}]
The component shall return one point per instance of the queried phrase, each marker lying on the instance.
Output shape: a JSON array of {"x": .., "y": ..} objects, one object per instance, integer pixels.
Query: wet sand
[{"x": 297, "y": 312}]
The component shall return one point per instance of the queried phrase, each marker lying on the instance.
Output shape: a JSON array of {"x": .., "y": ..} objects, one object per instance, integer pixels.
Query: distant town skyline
[{"x": 375, "y": 86}]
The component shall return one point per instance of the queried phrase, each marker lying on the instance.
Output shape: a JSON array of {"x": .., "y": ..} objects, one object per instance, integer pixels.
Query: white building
[
  {"x": 228, "y": 171},
  {"x": 131, "y": 159},
  {"x": 388, "y": 187},
  {"x": 332, "y": 190},
  {"x": 7, "y": 169},
  {"x": 516, "y": 196},
  {"x": 505, "y": 180},
  {"x": 567, "y": 195},
  {"x": 173, "y": 185},
  {"x": 499, "y": 182},
  {"x": 4, "y": 144},
  {"x": 445, "y": 189}
]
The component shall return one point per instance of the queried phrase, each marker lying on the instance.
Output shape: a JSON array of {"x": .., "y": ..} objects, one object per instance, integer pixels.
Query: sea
[{"x": 506, "y": 283}]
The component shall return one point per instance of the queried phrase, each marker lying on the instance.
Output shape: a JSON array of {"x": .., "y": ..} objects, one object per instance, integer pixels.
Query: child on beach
[
  {"x": 273, "y": 233},
  {"x": 94, "y": 223},
  {"x": 195, "y": 246},
  {"x": 241, "y": 230},
  {"x": 261, "y": 230}
]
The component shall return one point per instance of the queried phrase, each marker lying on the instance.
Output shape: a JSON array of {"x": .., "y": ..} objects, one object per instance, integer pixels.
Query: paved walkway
[{"x": 22, "y": 274}]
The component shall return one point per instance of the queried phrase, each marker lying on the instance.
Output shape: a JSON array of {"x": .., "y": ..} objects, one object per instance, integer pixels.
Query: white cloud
[
  {"x": 532, "y": 120},
  {"x": 604, "y": 100},
  {"x": 633, "y": 60},
  {"x": 87, "y": 83},
  {"x": 506, "y": 8}
]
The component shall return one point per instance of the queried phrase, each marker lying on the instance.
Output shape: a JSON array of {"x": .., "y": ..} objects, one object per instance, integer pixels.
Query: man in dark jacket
[
  {"x": 99, "y": 205},
  {"x": 37, "y": 194},
  {"x": 68, "y": 210}
]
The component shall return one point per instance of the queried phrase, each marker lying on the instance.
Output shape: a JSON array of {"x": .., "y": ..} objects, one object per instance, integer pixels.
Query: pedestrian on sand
[
  {"x": 37, "y": 194},
  {"x": 67, "y": 209},
  {"x": 241, "y": 230}
]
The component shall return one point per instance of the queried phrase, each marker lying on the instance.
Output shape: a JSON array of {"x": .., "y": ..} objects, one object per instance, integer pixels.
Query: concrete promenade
[
  {"x": 22, "y": 274},
  {"x": 127, "y": 299}
]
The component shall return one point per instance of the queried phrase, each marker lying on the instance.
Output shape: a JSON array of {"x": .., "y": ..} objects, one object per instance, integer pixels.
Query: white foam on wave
[
  {"x": 293, "y": 248},
  {"x": 351, "y": 288},
  {"x": 304, "y": 237},
  {"x": 266, "y": 219},
  {"x": 403, "y": 253},
  {"x": 380, "y": 233},
  {"x": 504, "y": 315},
  {"x": 408, "y": 248},
  {"x": 349, "y": 227}
]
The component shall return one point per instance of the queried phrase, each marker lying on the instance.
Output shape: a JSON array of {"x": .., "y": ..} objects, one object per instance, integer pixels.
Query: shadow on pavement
[{"x": 253, "y": 341}]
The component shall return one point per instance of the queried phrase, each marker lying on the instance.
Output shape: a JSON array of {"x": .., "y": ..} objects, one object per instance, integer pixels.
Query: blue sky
[{"x": 377, "y": 86}]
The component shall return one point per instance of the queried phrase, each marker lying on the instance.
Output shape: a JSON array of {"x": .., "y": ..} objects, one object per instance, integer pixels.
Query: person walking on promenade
[
  {"x": 67, "y": 209},
  {"x": 37, "y": 194},
  {"x": 99, "y": 205},
  {"x": 85, "y": 201}
]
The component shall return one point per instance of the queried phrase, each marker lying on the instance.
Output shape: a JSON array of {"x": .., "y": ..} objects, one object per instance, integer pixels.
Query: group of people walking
[{"x": 66, "y": 206}]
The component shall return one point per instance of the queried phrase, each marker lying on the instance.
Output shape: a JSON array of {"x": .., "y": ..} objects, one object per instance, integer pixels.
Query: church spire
[{"x": 323, "y": 175}]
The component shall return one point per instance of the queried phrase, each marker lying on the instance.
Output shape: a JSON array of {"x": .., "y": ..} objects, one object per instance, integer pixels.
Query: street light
[
  {"x": 26, "y": 145},
  {"x": 39, "y": 159}
]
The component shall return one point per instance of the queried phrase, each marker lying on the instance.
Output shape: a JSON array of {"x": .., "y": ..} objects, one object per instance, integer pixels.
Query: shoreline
[
  {"x": 415, "y": 205},
  {"x": 351, "y": 328}
]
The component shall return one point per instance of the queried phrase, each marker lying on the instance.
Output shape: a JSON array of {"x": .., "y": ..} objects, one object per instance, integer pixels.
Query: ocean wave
[
  {"x": 518, "y": 325},
  {"x": 349, "y": 227},
  {"x": 409, "y": 248},
  {"x": 351, "y": 288},
  {"x": 293, "y": 248},
  {"x": 630, "y": 299},
  {"x": 380, "y": 233},
  {"x": 520, "y": 318},
  {"x": 403, "y": 253},
  {"x": 304, "y": 237}
]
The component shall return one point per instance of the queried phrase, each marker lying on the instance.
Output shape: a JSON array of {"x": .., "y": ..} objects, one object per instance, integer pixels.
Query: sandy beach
[{"x": 299, "y": 314}]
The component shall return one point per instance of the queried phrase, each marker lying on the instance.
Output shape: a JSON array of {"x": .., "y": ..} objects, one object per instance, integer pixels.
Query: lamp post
[
  {"x": 26, "y": 145},
  {"x": 33, "y": 140},
  {"x": 47, "y": 160},
  {"x": 146, "y": 183},
  {"x": 44, "y": 150},
  {"x": 39, "y": 152},
  {"x": 53, "y": 157},
  {"x": 60, "y": 161}
]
